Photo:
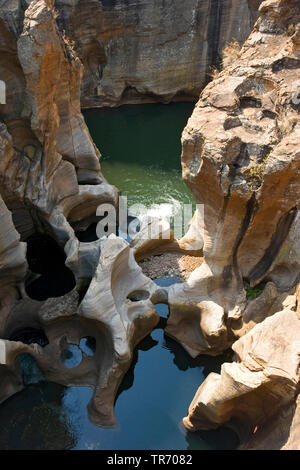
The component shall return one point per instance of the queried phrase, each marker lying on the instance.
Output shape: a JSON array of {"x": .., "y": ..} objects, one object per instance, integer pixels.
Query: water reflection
[
  {"x": 35, "y": 419},
  {"x": 151, "y": 402}
]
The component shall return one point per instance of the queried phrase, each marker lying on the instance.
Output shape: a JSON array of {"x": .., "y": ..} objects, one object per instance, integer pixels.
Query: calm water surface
[
  {"x": 141, "y": 147},
  {"x": 153, "y": 398}
]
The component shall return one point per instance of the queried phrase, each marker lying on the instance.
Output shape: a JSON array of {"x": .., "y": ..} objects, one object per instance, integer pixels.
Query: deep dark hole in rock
[
  {"x": 88, "y": 345},
  {"x": 45, "y": 257},
  {"x": 30, "y": 336}
]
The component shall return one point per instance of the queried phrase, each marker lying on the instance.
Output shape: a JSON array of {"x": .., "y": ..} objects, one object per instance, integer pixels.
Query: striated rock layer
[
  {"x": 263, "y": 379},
  {"x": 241, "y": 159},
  {"x": 50, "y": 179},
  {"x": 151, "y": 50}
]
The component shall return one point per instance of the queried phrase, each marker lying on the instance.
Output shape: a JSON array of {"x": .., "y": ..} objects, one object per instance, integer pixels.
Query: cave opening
[
  {"x": 87, "y": 233},
  {"x": 28, "y": 335},
  {"x": 48, "y": 276}
]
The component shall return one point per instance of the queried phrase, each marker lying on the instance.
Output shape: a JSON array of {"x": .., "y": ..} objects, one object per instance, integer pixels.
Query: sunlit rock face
[
  {"x": 13, "y": 265},
  {"x": 49, "y": 167},
  {"x": 241, "y": 160},
  {"x": 153, "y": 50},
  {"x": 50, "y": 178}
]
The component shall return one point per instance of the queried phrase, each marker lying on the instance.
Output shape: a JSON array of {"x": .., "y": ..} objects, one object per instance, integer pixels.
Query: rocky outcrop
[
  {"x": 241, "y": 160},
  {"x": 282, "y": 431},
  {"x": 49, "y": 167},
  {"x": 50, "y": 179},
  {"x": 263, "y": 379},
  {"x": 148, "y": 51},
  {"x": 13, "y": 265}
]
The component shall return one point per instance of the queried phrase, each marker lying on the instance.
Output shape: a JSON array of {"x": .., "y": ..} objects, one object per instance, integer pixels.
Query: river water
[{"x": 140, "y": 148}]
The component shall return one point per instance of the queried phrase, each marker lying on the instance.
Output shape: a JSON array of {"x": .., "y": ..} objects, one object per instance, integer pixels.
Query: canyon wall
[
  {"x": 51, "y": 181},
  {"x": 240, "y": 159},
  {"x": 49, "y": 165},
  {"x": 153, "y": 50}
]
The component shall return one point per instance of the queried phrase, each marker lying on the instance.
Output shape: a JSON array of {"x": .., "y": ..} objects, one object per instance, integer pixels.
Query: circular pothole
[
  {"x": 138, "y": 295},
  {"x": 30, "y": 336}
]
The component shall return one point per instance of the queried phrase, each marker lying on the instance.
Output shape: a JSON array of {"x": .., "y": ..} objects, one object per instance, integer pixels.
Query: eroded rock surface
[
  {"x": 50, "y": 179},
  {"x": 49, "y": 167},
  {"x": 241, "y": 160},
  {"x": 115, "y": 314},
  {"x": 151, "y": 50},
  {"x": 263, "y": 380}
]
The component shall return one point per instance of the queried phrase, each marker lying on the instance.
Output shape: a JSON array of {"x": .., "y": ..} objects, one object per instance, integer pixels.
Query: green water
[{"x": 141, "y": 147}]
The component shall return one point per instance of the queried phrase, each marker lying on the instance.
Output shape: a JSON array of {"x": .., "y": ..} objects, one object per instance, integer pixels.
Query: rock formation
[
  {"x": 263, "y": 379},
  {"x": 241, "y": 160},
  {"x": 51, "y": 183},
  {"x": 147, "y": 51},
  {"x": 50, "y": 179}
]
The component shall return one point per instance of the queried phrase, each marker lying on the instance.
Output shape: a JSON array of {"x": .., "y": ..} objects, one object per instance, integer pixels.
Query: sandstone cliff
[
  {"x": 48, "y": 163},
  {"x": 135, "y": 51},
  {"x": 241, "y": 160},
  {"x": 50, "y": 179}
]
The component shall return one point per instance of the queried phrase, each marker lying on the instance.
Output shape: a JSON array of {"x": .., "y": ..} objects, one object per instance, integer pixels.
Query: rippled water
[{"x": 141, "y": 147}]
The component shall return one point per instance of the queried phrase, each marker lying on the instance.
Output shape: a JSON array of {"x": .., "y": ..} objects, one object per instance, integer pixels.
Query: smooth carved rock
[
  {"x": 241, "y": 160},
  {"x": 145, "y": 51},
  {"x": 118, "y": 299},
  {"x": 13, "y": 263},
  {"x": 263, "y": 379},
  {"x": 49, "y": 167},
  {"x": 50, "y": 179},
  {"x": 117, "y": 312},
  {"x": 282, "y": 431}
]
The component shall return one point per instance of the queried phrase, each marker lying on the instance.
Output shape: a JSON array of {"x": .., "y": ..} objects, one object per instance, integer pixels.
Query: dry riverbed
[{"x": 170, "y": 264}]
